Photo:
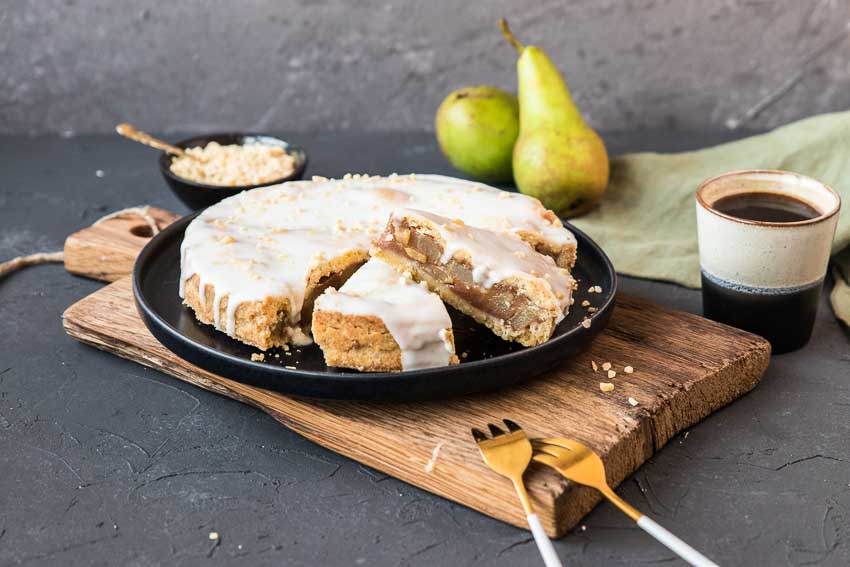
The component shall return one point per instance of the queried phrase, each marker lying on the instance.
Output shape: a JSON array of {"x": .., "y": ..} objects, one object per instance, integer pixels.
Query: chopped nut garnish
[
  {"x": 606, "y": 386},
  {"x": 258, "y": 357},
  {"x": 633, "y": 401},
  {"x": 606, "y": 366},
  {"x": 585, "y": 323},
  {"x": 628, "y": 369},
  {"x": 612, "y": 373},
  {"x": 585, "y": 303},
  {"x": 592, "y": 309},
  {"x": 593, "y": 365}
]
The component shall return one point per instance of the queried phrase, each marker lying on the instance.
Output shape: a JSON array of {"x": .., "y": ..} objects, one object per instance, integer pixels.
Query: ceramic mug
[{"x": 765, "y": 276}]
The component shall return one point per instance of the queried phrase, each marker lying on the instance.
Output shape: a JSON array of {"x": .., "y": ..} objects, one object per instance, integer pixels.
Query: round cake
[{"x": 253, "y": 264}]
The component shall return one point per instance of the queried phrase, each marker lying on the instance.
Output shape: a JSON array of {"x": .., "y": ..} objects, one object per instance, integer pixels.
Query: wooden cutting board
[{"x": 685, "y": 368}]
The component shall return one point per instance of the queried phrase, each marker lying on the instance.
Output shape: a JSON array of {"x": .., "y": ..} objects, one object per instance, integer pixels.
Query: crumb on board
[
  {"x": 606, "y": 386},
  {"x": 258, "y": 357},
  {"x": 432, "y": 462},
  {"x": 628, "y": 369},
  {"x": 606, "y": 366},
  {"x": 593, "y": 365},
  {"x": 214, "y": 536},
  {"x": 611, "y": 374},
  {"x": 633, "y": 402}
]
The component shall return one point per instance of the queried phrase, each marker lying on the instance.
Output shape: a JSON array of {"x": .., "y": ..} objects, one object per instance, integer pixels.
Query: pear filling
[{"x": 500, "y": 301}]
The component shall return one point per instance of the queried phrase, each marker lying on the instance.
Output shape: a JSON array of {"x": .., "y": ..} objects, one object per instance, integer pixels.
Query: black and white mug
[{"x": 765, "y": 276}]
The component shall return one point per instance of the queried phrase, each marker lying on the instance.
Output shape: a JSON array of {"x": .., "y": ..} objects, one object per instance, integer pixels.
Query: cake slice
[
  {"x": 380, "y": 320},
  {"x": 496, "y": 278}
]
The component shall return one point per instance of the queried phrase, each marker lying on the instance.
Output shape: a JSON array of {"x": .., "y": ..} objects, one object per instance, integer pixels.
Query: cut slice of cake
[
  {"x": 382, "y": 321},
  {"x": 496, "y": 278}
]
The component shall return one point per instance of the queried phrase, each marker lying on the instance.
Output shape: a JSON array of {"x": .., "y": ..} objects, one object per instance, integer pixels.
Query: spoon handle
[{"x": 130, "y": 131}]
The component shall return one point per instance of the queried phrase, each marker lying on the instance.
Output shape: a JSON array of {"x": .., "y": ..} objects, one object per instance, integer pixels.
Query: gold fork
[
  {"x": 580, "y": 464},
  {"x": 509, "y": 454}
]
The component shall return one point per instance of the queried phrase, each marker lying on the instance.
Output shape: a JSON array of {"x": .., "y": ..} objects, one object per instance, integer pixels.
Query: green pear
[
  {"x": 557, "y": 158},
  {"x": 476, "y": 130}
]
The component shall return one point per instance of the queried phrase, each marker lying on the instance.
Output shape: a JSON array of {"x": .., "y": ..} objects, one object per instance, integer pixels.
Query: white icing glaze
[
  {"x": 264, "y": 242},
  {"x": 415, "y": 317},
  {"x": 495, "y": 257}
]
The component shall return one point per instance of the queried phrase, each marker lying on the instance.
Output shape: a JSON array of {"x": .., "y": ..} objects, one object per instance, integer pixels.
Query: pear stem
[{"x": 506, "y": 31}]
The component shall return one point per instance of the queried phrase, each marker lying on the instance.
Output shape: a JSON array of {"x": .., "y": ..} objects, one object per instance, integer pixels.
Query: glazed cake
[
  {"x": 499, "y": 280},
  {"x": 383, "y": 321},
  {"x": 253, "y": 264}
]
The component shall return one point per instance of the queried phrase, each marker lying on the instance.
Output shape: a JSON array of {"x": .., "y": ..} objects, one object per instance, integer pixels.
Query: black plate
[{"x": 490, "y": 363}]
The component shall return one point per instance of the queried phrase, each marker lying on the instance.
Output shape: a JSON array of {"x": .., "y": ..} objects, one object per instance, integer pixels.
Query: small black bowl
[{"x": 197, "y": 196}]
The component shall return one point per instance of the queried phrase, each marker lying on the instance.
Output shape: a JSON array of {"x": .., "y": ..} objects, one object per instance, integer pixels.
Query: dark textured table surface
[{"x": 104, "y": 462}]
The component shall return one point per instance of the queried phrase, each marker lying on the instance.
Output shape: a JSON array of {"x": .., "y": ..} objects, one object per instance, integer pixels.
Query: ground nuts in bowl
[
  {"x": 234, "y": 165},
  {"x": 229, "y": 164}
]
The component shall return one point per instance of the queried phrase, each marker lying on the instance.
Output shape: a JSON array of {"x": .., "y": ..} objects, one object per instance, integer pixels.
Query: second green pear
[{"x": 557, "y": 158}]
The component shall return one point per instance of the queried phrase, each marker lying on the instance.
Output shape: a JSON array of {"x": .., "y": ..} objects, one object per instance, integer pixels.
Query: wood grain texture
[
  {"x": 685, "y": 368},
  {"x": 107, "y": 251}
]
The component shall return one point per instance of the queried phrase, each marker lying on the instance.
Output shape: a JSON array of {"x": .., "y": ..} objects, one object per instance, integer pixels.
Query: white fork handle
[
  {"x": 674, "y": 544},
  {"x": 544, "y": 544}
]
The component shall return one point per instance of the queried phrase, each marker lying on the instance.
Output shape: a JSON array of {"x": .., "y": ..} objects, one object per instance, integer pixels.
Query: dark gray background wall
[{"x": 84, "y": 65}]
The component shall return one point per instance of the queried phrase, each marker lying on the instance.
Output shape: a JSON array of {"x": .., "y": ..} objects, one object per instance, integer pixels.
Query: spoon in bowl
[{"x": 130, "y": 131}]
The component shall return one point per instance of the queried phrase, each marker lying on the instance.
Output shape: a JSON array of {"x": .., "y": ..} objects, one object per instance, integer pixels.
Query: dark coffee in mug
[
  {"x": 765, "y": 239},
  {"x": 766, "y": 207}
]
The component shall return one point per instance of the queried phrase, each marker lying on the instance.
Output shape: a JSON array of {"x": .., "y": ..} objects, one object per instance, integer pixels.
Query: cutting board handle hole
[{"x": 142, "y": 231}]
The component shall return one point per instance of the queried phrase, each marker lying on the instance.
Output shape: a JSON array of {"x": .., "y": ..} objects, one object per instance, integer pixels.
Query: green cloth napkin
[{"x": 647, "y": 220}]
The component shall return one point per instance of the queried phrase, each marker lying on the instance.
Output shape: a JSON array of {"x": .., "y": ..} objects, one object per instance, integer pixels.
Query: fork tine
[
  {"x": 512, "y": 426},
  {"x": 545, "y": 459},
  {"x": 478, "y": 435},
  {"x": 551, "y": 450},
  {"x": 568, "y": 444},
  {"x": 495, "y": 431}
]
